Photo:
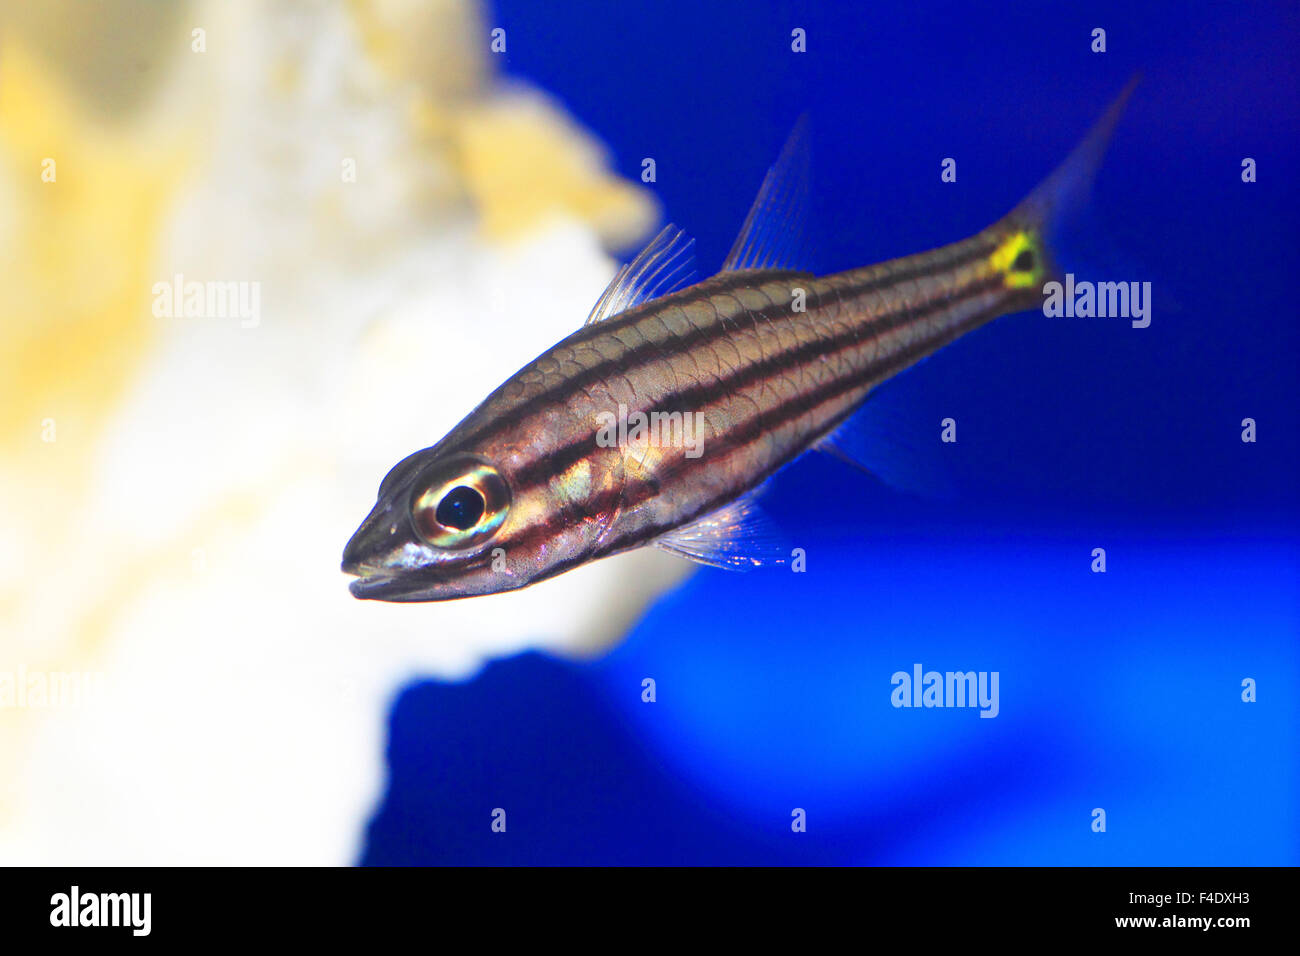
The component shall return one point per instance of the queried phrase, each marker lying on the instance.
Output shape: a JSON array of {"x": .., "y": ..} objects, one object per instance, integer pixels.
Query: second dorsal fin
[{"x": 774, "y": 231}]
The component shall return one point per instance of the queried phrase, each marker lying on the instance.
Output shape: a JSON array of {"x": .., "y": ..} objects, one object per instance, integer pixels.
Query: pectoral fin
[{"x": 737, "y": 537}]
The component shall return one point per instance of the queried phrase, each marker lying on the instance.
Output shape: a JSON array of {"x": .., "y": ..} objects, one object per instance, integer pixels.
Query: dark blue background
[{"x": 1120, "y": 690}]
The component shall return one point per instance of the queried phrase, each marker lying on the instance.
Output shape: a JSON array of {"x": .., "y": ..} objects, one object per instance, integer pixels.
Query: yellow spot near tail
[{"x": 1008, "y": 251}]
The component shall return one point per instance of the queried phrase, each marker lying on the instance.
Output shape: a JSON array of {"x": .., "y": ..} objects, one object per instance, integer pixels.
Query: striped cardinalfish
[{"x": 660, "y": 419}]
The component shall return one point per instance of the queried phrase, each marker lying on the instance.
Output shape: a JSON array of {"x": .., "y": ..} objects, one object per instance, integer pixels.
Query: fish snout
[{"x": 371, "y": 546}]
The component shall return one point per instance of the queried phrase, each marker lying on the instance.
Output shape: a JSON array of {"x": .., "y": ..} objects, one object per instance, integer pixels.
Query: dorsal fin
[
  {"x": 773, "y": 234},
  {"x": 665, "y": 265}
]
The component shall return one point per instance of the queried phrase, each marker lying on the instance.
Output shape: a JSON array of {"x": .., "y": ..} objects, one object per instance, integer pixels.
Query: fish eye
[
  {"x": 460, "y": 508},
  {"x": 461, "y": 504}
]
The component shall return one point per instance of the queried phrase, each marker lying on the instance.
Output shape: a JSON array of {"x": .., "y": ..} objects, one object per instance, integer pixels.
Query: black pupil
[
  {"x": 460, "y": 508},
  {"x": 1024, "y": 262}
]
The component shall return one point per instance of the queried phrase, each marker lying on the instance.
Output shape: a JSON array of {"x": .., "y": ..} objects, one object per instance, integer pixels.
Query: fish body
[{"x": 764, "y": 363}]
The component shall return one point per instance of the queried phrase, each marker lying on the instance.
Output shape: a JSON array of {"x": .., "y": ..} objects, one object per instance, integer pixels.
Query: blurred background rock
[{"x": 179, "y": 489}]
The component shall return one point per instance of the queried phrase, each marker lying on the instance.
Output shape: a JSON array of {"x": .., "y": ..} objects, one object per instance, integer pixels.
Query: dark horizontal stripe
[
  {"x": 558, "y": 460},
  {"x": 743, "y": 435},
  {"x": 724, "y": 282},
  {"x": 721, "y": 284},
  {"x": 635, "y": 358},
  {"x": 786, "y": 414}
]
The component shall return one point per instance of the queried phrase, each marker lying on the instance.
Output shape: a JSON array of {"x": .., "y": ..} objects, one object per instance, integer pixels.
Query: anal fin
[{"x": 893, "y": 448}]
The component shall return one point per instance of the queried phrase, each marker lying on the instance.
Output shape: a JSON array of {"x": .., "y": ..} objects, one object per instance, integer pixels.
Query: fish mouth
[
  {"x": 364, "y": 557},
  {"x": 374, "y": 556},
  {"x": 369, "y": 557},
  {"x": 381, "y": 587},
  {"x": 402, "y": 588}
]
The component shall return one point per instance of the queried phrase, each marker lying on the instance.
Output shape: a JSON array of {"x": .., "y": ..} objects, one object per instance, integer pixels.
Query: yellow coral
[
  {"x": 522, "y": 168},
  {"x": 80, "y": 219}
]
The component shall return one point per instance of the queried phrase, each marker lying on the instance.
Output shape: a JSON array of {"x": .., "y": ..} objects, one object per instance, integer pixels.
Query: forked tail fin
[{"x": 1030, "y": 234}]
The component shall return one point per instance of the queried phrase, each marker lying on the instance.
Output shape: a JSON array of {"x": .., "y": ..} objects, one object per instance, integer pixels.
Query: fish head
[{"x": 452, "y": 524}]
